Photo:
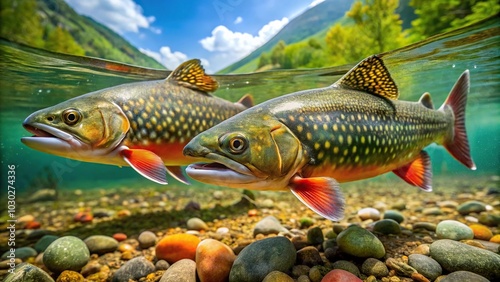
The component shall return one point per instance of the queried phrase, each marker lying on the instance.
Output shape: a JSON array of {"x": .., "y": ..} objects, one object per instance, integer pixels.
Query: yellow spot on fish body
[
  {"x": 300, "y": 128},
  {"x": 356, "y": 159},
  {"x": 144, "y": 115},
  {"x": 317, "y": 146},
  {"x": 335, "y": 150},
  {"x": 367, "y": 151},
  {"x": 309, "y": 136},
  {"x": 341, "y": 139},
  {"x": 349, "y": 139},
  {"x": 321, "y": 155},
  {"x": 362, "y": 140},
  {"x": 354, "y": 149},
  {"x": 335, "y": 127},
  {"x": 342, "y": 127},
  {"x": 315, "y": 127},
  {"x": 327, "y": 144},
  {"x": 325, "y": 126},
  {"x": 346, "y": 152}
]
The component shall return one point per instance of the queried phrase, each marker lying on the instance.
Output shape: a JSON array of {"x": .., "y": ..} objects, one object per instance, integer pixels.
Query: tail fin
[{"x": 458, "y": 145}]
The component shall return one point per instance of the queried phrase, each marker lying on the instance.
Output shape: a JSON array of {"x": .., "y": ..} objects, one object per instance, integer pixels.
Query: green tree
[
  {"x": 375, "y": 28},
  {"x": 278, "y": 53},
  {"x": 21, "y": 22},
  {"x": 438, "y": 16},
  {"x": 264, "y": 60},
  {"x": 60, "y": 40}
]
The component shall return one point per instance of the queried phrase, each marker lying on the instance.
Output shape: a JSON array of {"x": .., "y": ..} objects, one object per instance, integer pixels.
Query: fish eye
[
  {"x": 236, "y": 144},
  {"x": 71, "y": 116}
]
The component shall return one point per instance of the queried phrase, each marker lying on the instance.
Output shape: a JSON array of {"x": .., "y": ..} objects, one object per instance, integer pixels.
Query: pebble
[
  {"x": 347, "y": 266},
  {"x": 339, "y": 275},
  {"x": 359, "y": 242},
  {"x": 173, "y": 248},
  {"x": 183, "y": 270},
  {"x": 279, "y": 254},
  {"x": 213, "y": 260},
  {"x": 369, "y": 213},
  {"x": 481, "y": 232},
  {"x": 317, "y": 272},
  {"x": 495, "y": 239},
  {"x": 454, "y": 256},
  {"x": 454, "y": 230},
  {"x": 91, "y": 268},
  {"x": 424, "y": 225},
  {"x": 432, "y": 211},
  {"x": 162, "y": 265},
  {"x": 147, "y": 239},
  {"x": 22, "y": 253},
  {"x": 309, "y": 256},
  {"x": 306, "y": 222},
  {"x": 101, "y": 244},
  {"x": 120, "y": 237},
  {"x": 395, "y": 215},
  {"x": 25, "y": 219},
  {"x": 425, "y": 265},
  {"x": 269, "y": 225},
  {"x": 298, "y": 270},
  {"x": 400, "y": 267},
  {"x": 83, "y": 217},
  {"x": 222, "y": 230},
  {"x": 489, "y": 219},
  {"x": 471, "y": 207},
  {"x": 196, "y": 224},
  {"x": 448, "y": 204},
  {"x": 315, "y": 236},
  {"x": 66, "y": 253},
  {"x": 133, "y": 269},
  {"x": 267, "y": 204},
  {"x": 463, "y": 276},
  {"x": 70, "y": 276},
  {"x": 422, "y": 250},
  {"x": 277, "y": 276},
  {"x": 387, "y": 226},
  {"x": 374, "y": 267},
  {"x": 33, "y": 225},
  {"x": 26, "y": 272},
  {"x": 192, "y": 206}
]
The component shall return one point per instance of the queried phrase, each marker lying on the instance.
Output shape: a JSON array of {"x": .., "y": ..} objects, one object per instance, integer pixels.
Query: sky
[{"x": 219, "y": 32}]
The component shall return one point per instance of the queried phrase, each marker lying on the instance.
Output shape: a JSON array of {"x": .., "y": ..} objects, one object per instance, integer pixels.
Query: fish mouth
[
  {"x": 222, "y": 171},
  {"x": 49, "y": 139}
]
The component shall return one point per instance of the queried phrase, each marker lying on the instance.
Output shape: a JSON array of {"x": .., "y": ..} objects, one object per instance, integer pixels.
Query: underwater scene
[{"x": 70, "y": 220}]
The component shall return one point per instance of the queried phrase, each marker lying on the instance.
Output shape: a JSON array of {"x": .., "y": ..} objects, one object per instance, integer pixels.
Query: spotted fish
[
  {"x": 144, "y": 125},
  {"x": 311, "y": 140}
]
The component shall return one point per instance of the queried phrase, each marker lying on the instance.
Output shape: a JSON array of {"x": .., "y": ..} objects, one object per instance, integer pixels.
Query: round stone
[
  {"x": 481, "y": 232},
  {"x": 22, "y": 253},
  {"x": 183, "y": 270},
  {"x": 471, "y": 207},
  {"x": 463, "y": 276},
  {"x": 339, "y": 275},
  {"x": 395, "y": 215},
  {"x": 315, "y": 236},
  {"x": 196, "y": 224},
  {"x": 387, "y": 226},
  {"x": 261, "y": 257},
  {"x": 360, "y": 242},
  {"x": 374, "y": 267},
  {"x": 455, "y": 256},
  {"x": 173, "y": 248},
  {"x": 147, "y": 239},
  {"x": 369, "y": 213},
  {"x": 66, "y": 253},
  {"x": 347, "y": 266},
  {"x": 309, "y": 256},
  {"x": 454, "y": 230},
  {"x": 269, "y": 225},
  {"x": 425, "y": 265},
  {"x": 101, "y": 244},
  {"x": 214, "y": 260},
  {"x": 28, "y": 273},
  {"x": 134, "y": 269},
  {"x": 277, "y": 276}
]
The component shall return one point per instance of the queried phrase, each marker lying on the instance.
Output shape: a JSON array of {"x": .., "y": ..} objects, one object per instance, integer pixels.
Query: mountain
[
  {"x": 312, "y": 21},
  {"x": 55, "y": 26}
]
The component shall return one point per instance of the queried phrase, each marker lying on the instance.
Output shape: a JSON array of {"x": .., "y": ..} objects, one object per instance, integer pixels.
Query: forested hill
[{"x": 55, "y": 26}]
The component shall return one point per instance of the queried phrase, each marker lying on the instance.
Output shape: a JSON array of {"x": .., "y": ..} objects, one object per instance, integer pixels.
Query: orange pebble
[
  {"x": 83, "y": 217},
  {"x": 495, "y": 239},
  {"x": 175, "y": 247},
  {"x": 481, "y": 232},
  {"x": 32, "y": 225},
  {"x": 252, "y": 212},
  {"x": 120, "y": 237}
]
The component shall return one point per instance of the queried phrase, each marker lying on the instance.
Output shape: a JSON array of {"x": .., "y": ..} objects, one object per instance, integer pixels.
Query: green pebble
[
  {"x": 66, "y": 253},
  {"x": 359, "y": 242},
  {"x": 395, "y": 215},
  {"x": 387, "y": 226}
]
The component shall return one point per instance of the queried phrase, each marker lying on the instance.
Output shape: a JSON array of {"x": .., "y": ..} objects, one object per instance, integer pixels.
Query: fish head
[
  {"x": 81, "y": 128},
  {"x": 247, "y": 151}
]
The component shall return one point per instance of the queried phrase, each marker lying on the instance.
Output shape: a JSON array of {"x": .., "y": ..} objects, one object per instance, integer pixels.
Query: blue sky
[{"x": 219, "y": 32}]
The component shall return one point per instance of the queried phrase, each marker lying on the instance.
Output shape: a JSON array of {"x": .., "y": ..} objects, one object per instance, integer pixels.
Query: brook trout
[
  {"x": 144, "y": 125},
  {"x": 311, "y": 140}
]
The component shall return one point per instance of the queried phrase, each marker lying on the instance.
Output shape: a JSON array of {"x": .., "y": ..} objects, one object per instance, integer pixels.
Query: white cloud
[
  {"x": 166, "y": 57},
  {"x": 238, "y": 20},
  {"x": 119, "y": 15},
  {"x": 315, "y": 2},
  {"x": 235, "y": 45}
]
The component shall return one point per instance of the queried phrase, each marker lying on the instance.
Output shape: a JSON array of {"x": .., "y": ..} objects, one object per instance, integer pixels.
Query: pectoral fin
[
  {"x": 147, "y": 164},
  {"x": 320, "y": 194},
  {"x": 418, "y": 172},
  {"x": 176, "y": 172}
]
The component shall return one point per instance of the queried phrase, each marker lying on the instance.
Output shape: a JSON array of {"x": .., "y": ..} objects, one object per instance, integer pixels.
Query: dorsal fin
[
  {"x": 426, "y": 100},
  {"x": 246, "y": 100},
  {"x": 371, "y": 76},
  {"x": 191, "y": 74}
]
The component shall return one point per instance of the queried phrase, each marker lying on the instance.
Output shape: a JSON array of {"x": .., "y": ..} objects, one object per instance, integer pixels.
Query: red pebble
[
  {"x": 120, "y": 237},
  {"x": 32, "y": 225},
  {"x": 252, "y": 212},
  {"x": 83, "y": 217},
  {"x": 339, "y": 275}
]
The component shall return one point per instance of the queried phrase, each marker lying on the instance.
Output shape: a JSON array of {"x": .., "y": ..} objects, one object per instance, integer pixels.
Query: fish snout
[{"x": 194, "y": 149}]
